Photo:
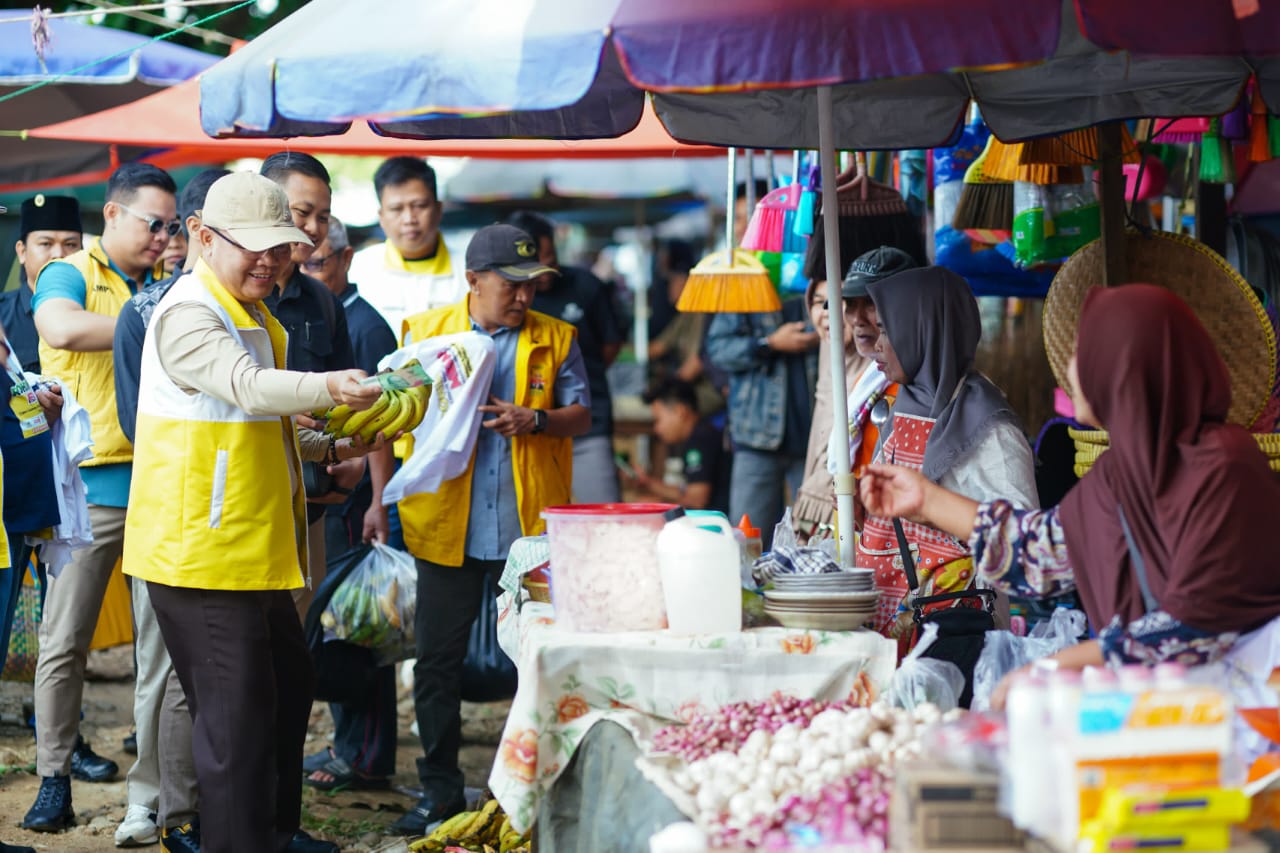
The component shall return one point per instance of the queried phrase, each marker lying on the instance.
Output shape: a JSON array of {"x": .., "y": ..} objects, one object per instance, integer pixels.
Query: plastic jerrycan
[{"x": 698, "y": 560}]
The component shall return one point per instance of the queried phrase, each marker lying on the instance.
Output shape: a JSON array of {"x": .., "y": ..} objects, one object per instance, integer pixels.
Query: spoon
[{"x": 880, "y": 416}]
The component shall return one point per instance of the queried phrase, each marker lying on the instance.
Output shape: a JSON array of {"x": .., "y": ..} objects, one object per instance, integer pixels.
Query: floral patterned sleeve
[
  {"x": 1157, "y": 637},
  {"x": 1021, "y": 551}
]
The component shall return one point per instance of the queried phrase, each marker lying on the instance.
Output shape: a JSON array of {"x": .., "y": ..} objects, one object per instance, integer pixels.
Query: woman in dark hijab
[
  {"x": 1170, "y": 538},
  {"x": 948, "y": 422}
]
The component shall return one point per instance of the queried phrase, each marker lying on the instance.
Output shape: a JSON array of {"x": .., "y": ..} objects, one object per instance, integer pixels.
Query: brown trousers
[{"x": 244, "y": 665}]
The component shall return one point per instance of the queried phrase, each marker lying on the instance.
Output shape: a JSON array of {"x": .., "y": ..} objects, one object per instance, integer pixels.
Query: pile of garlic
[{"x": 840, "y": 761}]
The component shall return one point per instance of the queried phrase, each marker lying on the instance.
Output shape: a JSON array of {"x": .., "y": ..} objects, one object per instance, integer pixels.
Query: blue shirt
[
  {"x": 105, "y": 485},
  {"x": 494, "y": 520}
]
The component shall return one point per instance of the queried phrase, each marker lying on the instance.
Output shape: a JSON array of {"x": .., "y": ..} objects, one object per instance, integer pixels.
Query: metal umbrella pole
[{"x": 844, "y": 481}]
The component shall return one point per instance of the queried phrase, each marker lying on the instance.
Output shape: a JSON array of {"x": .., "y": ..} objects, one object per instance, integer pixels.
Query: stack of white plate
[{"x": 835, "y": 601}]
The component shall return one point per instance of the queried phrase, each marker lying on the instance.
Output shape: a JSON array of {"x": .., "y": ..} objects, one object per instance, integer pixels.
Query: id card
[{"x": 26, "y": 407}]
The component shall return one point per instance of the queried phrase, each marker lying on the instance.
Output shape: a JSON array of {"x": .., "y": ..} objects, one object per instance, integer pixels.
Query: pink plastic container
[{"x": 604, "y": 566}]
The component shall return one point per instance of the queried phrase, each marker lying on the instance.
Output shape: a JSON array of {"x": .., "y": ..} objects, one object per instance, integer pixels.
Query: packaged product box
[{"x": 939, "y": 808}]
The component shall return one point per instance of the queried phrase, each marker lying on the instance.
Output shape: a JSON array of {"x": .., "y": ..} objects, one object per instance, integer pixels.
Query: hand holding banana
[{"x": 393, "y": 411}]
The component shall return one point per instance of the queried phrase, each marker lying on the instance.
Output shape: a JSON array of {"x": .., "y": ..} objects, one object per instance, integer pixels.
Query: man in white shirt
[{"x": 412, "y": 271}]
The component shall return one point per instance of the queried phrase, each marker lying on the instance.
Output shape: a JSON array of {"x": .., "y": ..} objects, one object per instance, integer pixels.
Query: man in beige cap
[{"x": 217, "y": 525}]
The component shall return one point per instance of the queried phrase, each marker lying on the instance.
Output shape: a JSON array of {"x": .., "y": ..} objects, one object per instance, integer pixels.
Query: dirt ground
[{"x": 352, "y": 820}]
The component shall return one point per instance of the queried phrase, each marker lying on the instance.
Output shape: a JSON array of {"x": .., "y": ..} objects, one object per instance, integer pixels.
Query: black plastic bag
[
  {"x": 488, "y": 675},
  {"x": 344, "y": 671}
]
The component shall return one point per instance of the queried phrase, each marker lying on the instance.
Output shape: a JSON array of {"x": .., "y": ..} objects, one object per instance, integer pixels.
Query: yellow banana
[
  {"x": 335, "y": 417},
  {"x": 379, "y": 424},
  {"x": 360, "y": 420},
  {"x": 419, "y": 397},
  {"x": 450, "y": 826},
  {"x": 403, "y": 416}
]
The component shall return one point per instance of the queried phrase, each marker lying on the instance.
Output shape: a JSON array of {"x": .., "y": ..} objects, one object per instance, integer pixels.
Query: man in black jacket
[{"x": 318, "y": 337}]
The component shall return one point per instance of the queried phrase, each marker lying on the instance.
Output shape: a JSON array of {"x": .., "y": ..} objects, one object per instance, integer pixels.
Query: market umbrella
[
  {"x": 758, "y": 73},
  {"x": 141, "y": 67},
  {"x": 575, "y": 68}
]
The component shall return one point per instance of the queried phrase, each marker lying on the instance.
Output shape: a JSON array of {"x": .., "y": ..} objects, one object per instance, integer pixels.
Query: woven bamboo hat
[{"x": 1219, "y": 296}]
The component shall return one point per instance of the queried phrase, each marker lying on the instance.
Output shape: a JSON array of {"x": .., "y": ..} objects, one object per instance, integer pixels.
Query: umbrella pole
[{"x": 839, "y": 391}]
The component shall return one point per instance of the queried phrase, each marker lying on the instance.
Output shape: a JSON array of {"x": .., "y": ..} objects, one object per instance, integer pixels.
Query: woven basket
[
  {"x": 1092, "y": 443},
  {"x": 1223, "y": 301},
  {"x": 538, "y": 590}
]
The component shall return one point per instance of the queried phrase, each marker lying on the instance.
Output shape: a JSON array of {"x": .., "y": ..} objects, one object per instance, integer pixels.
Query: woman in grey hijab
[{"x": 948, "y": 421}]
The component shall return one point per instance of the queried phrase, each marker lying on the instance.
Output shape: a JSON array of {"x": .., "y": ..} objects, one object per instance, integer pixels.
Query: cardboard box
[{"x": 935, "y": 808}]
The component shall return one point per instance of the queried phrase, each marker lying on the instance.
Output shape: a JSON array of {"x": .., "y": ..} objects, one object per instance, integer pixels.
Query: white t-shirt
[{"x": 398, "y": 289}]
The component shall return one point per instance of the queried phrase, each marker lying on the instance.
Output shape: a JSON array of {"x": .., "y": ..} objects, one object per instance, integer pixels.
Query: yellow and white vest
[
  {"x": 435, "y": 525},
  {"x": 91, "y": 375},
  {"x": 212, "y": 505}
]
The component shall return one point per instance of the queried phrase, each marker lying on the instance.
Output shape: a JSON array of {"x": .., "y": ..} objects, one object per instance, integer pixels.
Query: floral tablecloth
[{"x": 647, "y": 680}]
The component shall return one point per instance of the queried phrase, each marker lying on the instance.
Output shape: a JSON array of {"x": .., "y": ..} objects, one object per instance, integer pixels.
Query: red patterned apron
[{"x": 931, "y": 548}]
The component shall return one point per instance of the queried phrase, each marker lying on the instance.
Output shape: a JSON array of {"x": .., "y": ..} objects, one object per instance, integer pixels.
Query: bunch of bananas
[
  {"x": 487, "y": 830},
  {"x": 397, "y": 409}
]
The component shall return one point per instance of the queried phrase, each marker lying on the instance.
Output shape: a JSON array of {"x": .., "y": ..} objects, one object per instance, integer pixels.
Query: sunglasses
[
  {"x": 281, "y": 252},
  {"x": 154, "y": 225},
  {"x": 317, "y": 264}
]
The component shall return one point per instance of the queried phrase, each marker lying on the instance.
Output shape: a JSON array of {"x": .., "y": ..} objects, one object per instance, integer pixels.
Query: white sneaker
[{"x": 138, "y": 828}]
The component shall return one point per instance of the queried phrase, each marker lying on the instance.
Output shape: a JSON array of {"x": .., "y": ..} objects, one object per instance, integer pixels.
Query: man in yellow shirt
[
  {"x": 220, "y": 460},
  {"x": 76, "y": 301},
  {"x": 523, "y": 462}
]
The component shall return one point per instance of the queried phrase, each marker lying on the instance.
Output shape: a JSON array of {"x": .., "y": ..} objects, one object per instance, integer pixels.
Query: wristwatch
[{"x": 539, "y": 420}]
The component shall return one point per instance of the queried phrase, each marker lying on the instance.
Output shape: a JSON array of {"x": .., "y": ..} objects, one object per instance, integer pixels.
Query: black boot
[
  {"x": 52, "y": 811},
  {"x": 13, "y": 848},
  {"x": 88, "y": 766}
]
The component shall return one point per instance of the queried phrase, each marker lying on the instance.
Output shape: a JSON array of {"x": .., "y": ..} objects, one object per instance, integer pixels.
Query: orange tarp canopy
[{"x": 170, "y": 119}]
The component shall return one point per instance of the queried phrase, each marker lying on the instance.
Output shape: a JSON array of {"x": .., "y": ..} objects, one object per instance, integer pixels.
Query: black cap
[
  {"x": 673, "y": 513},
  {"x": 506, "y": 250},
  {"x": 873, "y": 266},
  {"x": 49, "y": 213}
]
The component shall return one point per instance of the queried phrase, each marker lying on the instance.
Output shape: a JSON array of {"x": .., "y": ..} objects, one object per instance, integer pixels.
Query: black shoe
[
  {"x": 52, "y": 811},
  {"x": 304, "y": 843},
  {"x": 88, "y": 766},
  {"x": 13, "y": 848},
  {"x": 129, "y": 745},
  {"x": 424, "y": 814},
  {"x": 181, "y": 839}
]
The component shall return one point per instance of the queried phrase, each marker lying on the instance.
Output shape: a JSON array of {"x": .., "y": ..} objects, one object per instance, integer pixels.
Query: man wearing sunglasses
[{"x": 76, "y": 302}]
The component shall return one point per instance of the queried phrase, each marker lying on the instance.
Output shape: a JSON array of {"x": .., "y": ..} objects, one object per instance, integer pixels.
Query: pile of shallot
[{"x": 792, "y": 772}]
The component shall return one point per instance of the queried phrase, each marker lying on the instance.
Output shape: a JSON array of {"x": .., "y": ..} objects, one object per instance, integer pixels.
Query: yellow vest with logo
[
  {"x": 91, "y": 375},
  {"x": 4, "y": 537},
  {"x": 435, "y": 525},
  {"x": 211, "y": 505}
]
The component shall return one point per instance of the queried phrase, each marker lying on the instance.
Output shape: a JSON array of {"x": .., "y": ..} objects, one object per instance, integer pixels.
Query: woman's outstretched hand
[{"x": 891, "y": 491}]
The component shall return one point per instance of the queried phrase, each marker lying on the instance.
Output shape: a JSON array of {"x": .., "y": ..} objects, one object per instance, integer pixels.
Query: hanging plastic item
[{"x": 1052, "y": 222}]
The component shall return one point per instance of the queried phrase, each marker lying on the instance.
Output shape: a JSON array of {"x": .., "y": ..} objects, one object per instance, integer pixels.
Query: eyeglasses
[
  {"x": 317, "y": 264},
  {"x": 280, "y": 252},
  {"x": 154, "y": 225}
]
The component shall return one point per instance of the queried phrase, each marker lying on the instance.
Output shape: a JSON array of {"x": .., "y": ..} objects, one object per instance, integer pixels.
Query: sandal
[
  {"x": 344, "y": 778},
  {"x": 315, "y": 762}
]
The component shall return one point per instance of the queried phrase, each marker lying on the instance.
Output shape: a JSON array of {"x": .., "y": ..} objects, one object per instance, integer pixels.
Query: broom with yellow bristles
[
  {"x": 985, "y": 208},
  {"x": 732, "y": 280}
]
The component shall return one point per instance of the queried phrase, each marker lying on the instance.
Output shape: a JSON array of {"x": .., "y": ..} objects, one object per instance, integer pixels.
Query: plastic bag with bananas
[
  {"x": 374, "y": 606},
  {"x": 398, "y": 409},
  {"x": 486, "y": 830}
]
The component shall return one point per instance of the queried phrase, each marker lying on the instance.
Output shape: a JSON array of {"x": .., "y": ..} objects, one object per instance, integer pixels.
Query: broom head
[
  {"x": 772, "y": 220},
  {"x": 736, "y": 282},
  {"x": 1075, "y": 148}
]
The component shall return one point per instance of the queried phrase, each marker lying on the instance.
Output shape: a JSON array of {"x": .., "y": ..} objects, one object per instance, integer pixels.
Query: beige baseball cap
[{"x": 251, "y": 210}]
